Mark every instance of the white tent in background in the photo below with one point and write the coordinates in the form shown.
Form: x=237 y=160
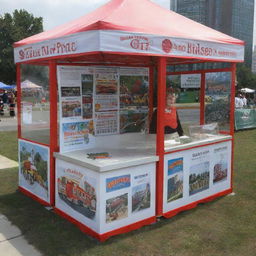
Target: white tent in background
x=247 y=90
x=27 y=85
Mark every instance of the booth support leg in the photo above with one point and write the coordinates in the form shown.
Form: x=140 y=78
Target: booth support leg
x=232 y=116
x=53 y=126
x=202 y=100
x=161 y=93
x=18 y=74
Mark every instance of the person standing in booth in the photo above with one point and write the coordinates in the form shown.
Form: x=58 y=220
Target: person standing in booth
x=172 y=122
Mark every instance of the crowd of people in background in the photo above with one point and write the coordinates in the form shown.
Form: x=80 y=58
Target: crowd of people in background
x=7 y=101
x=243 y=101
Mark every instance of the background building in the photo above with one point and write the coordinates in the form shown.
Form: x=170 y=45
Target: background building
x=232 y=17
x=254 y=60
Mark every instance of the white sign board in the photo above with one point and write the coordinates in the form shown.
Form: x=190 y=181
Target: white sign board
x=190 y=81
x=195 y=174
x=105 y=201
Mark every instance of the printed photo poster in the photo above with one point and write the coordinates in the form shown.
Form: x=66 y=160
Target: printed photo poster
x=76 y=135
x=34 y=169
x=117 y=206
x=87 y=83
x=175 y=179
x=134 y=87
x=76 y=191
x=87 y=94
x=217 y=97
x=199 y=172
x=220 y=168
x=71 y=108
x=141 y=193
x=106 y=103
x=87 y=106
x=106 y=81
x=106 y=123
x=133 y=120
x=76 y=107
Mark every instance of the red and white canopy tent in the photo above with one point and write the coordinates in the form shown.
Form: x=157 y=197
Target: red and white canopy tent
x=130 y=27
x=133 y=33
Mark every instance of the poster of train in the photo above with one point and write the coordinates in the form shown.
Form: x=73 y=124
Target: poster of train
x=217 y=97
x=195 y=174
x=34 y=169
x=76 y=192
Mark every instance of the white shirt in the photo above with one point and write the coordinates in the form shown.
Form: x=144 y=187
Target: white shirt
x=239 y=102
x=244 y=101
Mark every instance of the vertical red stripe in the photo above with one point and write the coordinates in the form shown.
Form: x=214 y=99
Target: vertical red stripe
x=151 y=93
x=161 y=93
x=18 y=80
x=202 y=99
x=232 y=117
x=53 y=126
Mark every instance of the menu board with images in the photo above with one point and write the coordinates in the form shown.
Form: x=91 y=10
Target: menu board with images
x=75 y=97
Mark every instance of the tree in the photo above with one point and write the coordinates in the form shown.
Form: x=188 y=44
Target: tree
x=13 y=28
x=245 y=77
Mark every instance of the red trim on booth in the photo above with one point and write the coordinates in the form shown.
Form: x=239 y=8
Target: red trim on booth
x=18 y=78
x=202 y=99
x=35 y=142
x=232 y=97
x=198 y=146
x=232 y=119
x=225 y=132
x=54 y=125
x=151 y=93
x=81 y=226
x=201 y=71
x=105 y=236
x=194 y=204
x=128 y=228
x=34 y=197
x=161 y=92
x=100 y=64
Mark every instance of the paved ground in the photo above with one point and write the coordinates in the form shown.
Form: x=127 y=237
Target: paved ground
x=8 y=123
x=7 y=163
x=12 y=242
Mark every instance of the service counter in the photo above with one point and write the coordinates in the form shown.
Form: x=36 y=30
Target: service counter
x=119 y=192
x=104 y=196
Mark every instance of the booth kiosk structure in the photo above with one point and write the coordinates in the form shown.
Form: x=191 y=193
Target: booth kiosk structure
x=86 y=150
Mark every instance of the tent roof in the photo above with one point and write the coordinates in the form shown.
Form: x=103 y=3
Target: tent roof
x=29 y=85
x=247 y=90
x=141 y=16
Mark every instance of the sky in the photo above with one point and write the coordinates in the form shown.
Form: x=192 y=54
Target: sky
x=58 y=12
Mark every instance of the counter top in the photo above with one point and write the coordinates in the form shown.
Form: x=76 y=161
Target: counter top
x=130 y=155
x=210 y=139
x=120 y=158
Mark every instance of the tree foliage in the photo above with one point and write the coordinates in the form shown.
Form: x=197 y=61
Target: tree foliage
x=13 y=28
x=245 y=77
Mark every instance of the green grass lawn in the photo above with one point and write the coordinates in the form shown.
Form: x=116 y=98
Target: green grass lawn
x=226 y=226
